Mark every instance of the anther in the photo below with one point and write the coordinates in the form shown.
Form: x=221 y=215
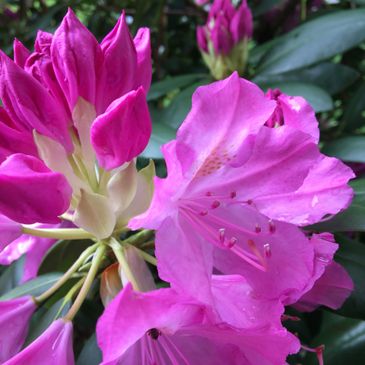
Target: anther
x=215 y=204
x=208 y=193
x=267 y=249
x=257 y=228
x=222 y=235
x=233 y=194
x=272 y=227
x=203 y=213
x=232 y=242
x=249 y=202
x=154 y=333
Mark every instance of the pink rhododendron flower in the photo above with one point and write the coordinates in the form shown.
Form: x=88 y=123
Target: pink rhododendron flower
x=69 y=106
x=54 y=345
x=232 y=205
x=165 y=327
x=14 y=321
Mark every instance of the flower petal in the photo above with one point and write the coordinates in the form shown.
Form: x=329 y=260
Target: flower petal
x=30 y=192
x=123 y=131
x=142 y=42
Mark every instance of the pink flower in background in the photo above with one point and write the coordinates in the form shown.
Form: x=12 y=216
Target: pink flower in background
x=223 y=39
x=167 y=328
x=15 y=315
x=233 y=205
x=55 y=345
x=226 y=26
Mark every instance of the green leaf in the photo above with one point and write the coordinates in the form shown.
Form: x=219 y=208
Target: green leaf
x=33 y=287
x=319 y=99
x=314 y=41
x=344 y=341
x=11 y=276
x=351 y=149
x=170 y=84
x=352 y=219
x=161 y=134
x=354 y=116
x=62 y=255
x=90 y=354
x=264 y=6
x=351 y=255
x=321 y=75
x=43 y=318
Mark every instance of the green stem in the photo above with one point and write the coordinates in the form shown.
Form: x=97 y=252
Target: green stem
x=139 y=237
x=67 y=275
x=98 y=257
x=303 y=10
x=59 y=233
x=120 y=255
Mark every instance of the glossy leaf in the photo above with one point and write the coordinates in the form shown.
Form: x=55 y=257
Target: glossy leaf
x=350 y=149
x=316 y=40
x=319 y=99
x=33 y=287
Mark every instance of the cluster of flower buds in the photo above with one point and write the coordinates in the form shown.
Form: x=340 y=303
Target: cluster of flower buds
x=223 y=40
x=245 y=175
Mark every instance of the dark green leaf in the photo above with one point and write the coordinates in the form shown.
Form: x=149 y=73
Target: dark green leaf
x=62 y=255
x=314 y=41
x=11 y=276
x=351 y=255
x=351 y=149
x=264 y=6
x=319 y=99
x=170 y=84
x=90 y=354
x=43 y=318
x=321 y=75
x=33 y=287
x=344 y=340
x=161 y=134
x=354 y=116
x=352 y=219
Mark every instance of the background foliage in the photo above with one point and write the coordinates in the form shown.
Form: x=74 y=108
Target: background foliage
x=304 y=50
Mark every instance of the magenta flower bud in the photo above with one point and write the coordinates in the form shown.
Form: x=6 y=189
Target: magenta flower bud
x=9 y=231
x=14 y=321
x=53 y=346
x=77 y=59
x=13 y=139
x=202 y=39
x=223 y=39
x=119 y=54
x=142 y=42
x=21 y=53
x=123 y=131
x=241 y=24
x=30 y=192
x=29 y=104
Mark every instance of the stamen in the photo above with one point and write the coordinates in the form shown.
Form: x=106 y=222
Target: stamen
x=208 y=193
x=272 y=227
x=267 y=250
x=233 y=194
x=257 y=228
x=231 y=242
x=249 y=202
x=318 y=351
x=287 y=317
x=203 y=213
x=215 y=204
x=243 y=255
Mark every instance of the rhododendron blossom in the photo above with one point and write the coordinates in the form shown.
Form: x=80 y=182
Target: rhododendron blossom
x=228 y=229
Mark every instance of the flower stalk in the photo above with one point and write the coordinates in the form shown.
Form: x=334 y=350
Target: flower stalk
x=68 y=274
x=58 y=233
x=97 y=259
